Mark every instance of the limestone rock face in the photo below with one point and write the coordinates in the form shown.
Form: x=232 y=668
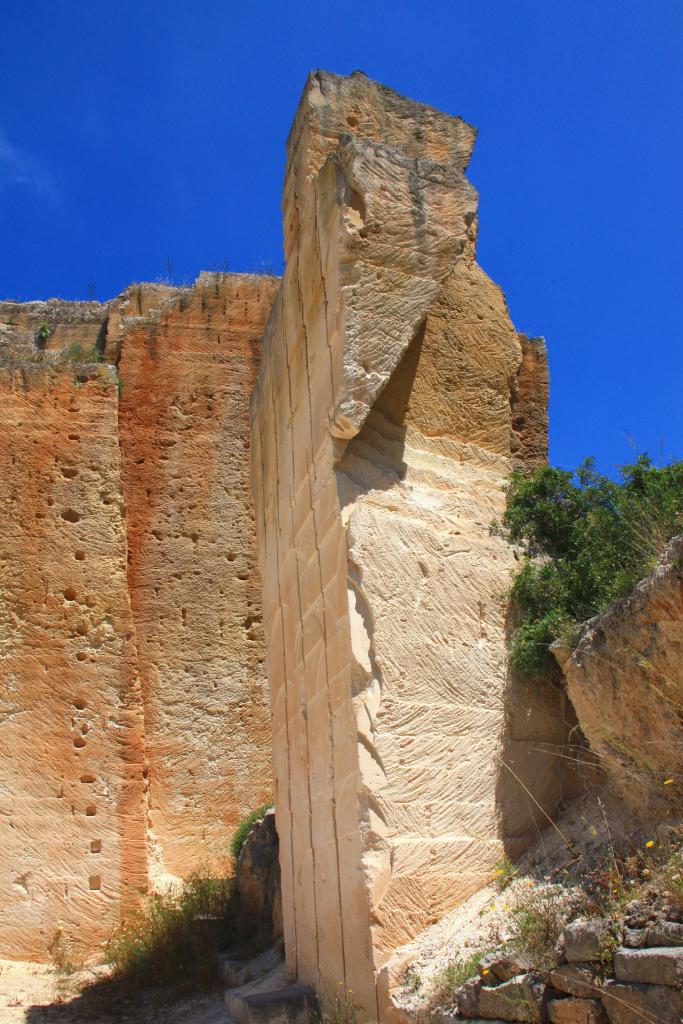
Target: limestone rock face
x=625 y=680
x=134 y=728
x=72 y=824
x=393 y=399
x=187 y=369
x=30 y=328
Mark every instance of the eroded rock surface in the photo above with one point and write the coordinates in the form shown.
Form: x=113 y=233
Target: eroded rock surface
x=187 y=370
x=72 y=824
x=394 y=398
x=134 y=728
x=625 y=680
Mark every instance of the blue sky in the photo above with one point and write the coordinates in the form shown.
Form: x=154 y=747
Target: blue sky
x=138 y=138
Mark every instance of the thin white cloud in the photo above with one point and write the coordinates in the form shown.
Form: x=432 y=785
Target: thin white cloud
x=19 y=168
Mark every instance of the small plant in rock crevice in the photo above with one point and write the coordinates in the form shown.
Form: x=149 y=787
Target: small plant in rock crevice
x=538 y=918
x=243 y=829
x=75 y=353
x=454 y=975
x=42 y=333
x=505 y=873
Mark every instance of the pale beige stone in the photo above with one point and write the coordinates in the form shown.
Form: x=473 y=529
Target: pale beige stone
x=393 y=399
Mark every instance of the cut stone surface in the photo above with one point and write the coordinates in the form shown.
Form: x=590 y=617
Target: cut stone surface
x=393 y=399
x=576 y=1011
x=584 y=940
x=519 y=999
x=503 y=966
x=650 y=966
x=580 y=980
x=134 y=728
x=642 y=1004
x=664 y=933
x=187 y=369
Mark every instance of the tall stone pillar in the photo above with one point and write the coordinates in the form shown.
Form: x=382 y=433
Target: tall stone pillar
x=393 y=399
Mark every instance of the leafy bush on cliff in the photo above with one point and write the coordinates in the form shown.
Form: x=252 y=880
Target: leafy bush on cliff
x=244 y=828
x=588 y=541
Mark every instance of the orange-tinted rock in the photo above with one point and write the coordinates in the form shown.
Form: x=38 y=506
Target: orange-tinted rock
x=129 y=601
x=72 y=824
x=186 y=371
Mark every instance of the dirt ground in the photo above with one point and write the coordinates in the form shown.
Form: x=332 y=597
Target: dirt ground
x=36 y=994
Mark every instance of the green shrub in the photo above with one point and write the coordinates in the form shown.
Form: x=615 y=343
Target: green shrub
x=538 y=918
x=593 y=539
x=456 y=973
x=75 y=353
x=42 y=333
x=176 y=936
x=243 y=829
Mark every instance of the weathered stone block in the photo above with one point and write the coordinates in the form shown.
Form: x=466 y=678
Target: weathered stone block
x=502 y=966
x=585 y=940
x=577 y=979
x=650 y=966
x=641 y=1004
x=576 y=1011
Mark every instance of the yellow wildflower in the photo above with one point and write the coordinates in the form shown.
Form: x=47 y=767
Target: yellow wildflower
x=668 y=782
x=650 y=843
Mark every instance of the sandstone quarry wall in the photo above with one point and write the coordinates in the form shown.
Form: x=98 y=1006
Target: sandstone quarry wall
x=134 y=725
x=187 y=370
x=72 y=843
x=393 y=399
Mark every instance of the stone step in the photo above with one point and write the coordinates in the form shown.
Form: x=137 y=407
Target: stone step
x=265 y=996
x=237 y=970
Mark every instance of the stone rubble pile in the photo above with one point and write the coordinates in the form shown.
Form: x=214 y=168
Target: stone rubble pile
x=628 y=971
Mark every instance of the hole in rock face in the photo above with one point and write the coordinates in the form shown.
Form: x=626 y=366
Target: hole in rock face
x=94 y=882
x=79 y=742
x=231 y=556
x=69 y=594
x=79 y=556
x=69 y=472
x=96 y=846
x=352 y=121
x=81 y=656
x=74 y=437
x=90 y=810
x=70 y=516
x=80 y=704
x=87 y=778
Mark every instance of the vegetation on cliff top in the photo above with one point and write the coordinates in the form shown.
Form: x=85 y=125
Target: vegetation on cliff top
x=588 y=541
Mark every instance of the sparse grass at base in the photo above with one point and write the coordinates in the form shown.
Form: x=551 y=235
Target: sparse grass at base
x=448 y=981
x=539 y=917
x=176 y=937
